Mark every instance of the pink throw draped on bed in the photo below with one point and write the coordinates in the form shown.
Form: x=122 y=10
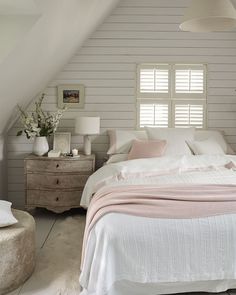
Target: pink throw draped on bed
x=155 y=201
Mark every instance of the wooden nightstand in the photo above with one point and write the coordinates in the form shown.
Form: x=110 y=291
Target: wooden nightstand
x=56 y=183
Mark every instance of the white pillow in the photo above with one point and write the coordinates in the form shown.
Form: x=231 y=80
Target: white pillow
x=176 y=139
x=6 y=216
x=206 y=147
x=217 y=135
x=121 y=140
x=117 y=158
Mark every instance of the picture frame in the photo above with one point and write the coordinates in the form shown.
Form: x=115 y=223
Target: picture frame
x=71 y=96
x=61 y=142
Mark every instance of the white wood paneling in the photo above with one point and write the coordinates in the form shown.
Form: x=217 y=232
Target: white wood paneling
x=136 y=32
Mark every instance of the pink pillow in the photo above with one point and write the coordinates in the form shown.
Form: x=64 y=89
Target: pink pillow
x=147 y=149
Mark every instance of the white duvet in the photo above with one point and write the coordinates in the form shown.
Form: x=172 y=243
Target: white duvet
x=136 y=255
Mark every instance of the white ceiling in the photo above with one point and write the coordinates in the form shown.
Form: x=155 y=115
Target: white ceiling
x=18 y=7
x=17 y=17
x=13 y=28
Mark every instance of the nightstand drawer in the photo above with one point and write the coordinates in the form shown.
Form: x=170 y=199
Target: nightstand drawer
x=51 y=182
x=54 y=198
x=59 y=166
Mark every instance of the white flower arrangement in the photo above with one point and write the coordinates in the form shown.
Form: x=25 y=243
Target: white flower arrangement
x=39 y=123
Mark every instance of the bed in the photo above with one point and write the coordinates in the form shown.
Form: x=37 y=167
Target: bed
x=136 y=254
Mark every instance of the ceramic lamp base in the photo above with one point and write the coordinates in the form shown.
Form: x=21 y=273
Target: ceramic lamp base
x=87 y=145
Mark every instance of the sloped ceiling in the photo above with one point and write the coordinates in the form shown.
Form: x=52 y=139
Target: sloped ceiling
x=10 y=7
x=16 y=19
x=13 y=28
x=49 y=34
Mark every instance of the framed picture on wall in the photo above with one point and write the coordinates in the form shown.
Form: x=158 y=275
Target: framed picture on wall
x=71 y=96
x=61 y=142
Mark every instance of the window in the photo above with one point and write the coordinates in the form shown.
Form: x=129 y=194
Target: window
x=171 y=95
x=154 y=81
x=154 y=114
x=188 y=114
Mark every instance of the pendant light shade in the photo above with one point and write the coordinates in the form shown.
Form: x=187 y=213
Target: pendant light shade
x=209 y=16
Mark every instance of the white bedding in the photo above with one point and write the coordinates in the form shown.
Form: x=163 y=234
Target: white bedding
x=121 y=173
x=160 y=255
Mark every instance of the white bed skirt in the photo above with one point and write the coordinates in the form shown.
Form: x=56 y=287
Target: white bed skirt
x=130 y=288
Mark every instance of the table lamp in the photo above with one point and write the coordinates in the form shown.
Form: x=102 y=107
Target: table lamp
x=87 y=126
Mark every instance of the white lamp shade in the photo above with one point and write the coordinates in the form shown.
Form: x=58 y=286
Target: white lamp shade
x=209 y=16
x=87 y=125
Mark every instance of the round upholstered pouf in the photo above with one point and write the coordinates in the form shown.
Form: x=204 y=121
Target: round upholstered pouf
x=17 y=252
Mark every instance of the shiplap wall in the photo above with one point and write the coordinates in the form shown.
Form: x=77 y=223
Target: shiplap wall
x=137 y=32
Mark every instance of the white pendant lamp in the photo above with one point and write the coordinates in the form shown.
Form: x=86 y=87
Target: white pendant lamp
x=209 y=16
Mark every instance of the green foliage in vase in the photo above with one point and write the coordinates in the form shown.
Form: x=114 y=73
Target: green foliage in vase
x=39 y=122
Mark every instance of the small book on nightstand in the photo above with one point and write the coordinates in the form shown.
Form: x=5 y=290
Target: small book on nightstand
x=54 y=154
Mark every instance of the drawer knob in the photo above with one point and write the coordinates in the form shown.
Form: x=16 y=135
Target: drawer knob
x=57 y=165
x=57 y=181
x=57 y=199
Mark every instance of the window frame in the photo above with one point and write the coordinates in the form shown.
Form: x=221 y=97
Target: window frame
x=172 y=98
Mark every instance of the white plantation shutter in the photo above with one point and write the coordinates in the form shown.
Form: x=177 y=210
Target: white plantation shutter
x=190 y=81
x=186 y=114
x=171 y=95
x=154 y=81
x=154 y=114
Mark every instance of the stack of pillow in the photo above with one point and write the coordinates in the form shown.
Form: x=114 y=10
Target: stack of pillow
x=156 y=142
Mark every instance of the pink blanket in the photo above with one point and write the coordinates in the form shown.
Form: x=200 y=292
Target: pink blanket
x=155 y=201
